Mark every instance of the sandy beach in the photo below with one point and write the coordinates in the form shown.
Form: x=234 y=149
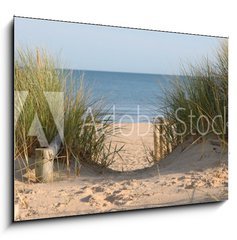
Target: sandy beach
x=190 y=174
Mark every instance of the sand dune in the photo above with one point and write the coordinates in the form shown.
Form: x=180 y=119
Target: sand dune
x=193 y=174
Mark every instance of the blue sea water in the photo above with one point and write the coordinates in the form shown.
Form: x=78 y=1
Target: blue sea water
x=131 y=97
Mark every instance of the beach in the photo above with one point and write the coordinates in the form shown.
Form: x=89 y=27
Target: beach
x=192 y=173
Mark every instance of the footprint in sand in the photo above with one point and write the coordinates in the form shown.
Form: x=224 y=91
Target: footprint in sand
x=118 y=197
x=78 y=192
x=87 y=198
x=117 y=200
x=98 y=189
x=117 y=192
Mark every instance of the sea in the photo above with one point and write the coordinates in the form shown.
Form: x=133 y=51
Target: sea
x=128 y=97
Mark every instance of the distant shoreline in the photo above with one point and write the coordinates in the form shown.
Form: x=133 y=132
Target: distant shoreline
x=120 y=72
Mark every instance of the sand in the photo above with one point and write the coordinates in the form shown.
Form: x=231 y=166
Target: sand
x=190 y=174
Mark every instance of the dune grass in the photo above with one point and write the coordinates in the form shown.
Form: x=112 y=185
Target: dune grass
x=197 y=104
x=86 y=136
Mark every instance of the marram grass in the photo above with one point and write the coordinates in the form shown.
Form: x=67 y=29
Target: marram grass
x=85 y=137
x=197 y=104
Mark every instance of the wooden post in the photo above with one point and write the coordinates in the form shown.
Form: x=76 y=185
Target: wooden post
x=44 y=161
x=44 y=165
x=162 y=143
x=158 y=141
x=155 y=142
x=161 y=146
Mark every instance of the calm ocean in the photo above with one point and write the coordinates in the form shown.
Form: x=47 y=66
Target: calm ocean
x=130 y=95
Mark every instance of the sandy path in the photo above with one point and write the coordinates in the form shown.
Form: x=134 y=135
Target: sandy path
x=81 y=196
x=197 y=174
x=135 y=137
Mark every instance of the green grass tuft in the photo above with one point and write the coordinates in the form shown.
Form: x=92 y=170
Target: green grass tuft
x=85 y=138
x=202 y=92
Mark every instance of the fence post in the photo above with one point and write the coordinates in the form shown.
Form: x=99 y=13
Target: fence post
x=161 y=146
x=44 y=160
x=155 y=142
x=44 y=164
x=158 y=141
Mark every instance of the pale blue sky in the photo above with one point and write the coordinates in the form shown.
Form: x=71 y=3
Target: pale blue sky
x=91 y=47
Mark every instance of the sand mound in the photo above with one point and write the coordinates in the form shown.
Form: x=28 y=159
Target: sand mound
x=195 y=157
x=192 y=173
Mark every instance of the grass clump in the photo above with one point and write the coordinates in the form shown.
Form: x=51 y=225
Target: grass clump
x=86 y=136
x=197 y=103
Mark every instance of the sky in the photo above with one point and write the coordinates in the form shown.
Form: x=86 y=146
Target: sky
x=93 y=47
